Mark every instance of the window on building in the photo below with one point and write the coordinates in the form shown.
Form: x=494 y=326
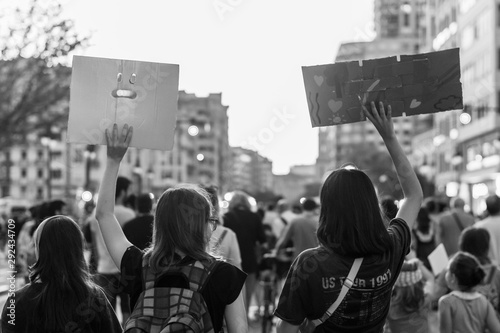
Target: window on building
x=23 y=155
x=406 y=20
x=40 y=154
x=23 y=173
x=40 y=173
x=5 y=191
x=56 y=174
x=23 y=190
x=39 y=193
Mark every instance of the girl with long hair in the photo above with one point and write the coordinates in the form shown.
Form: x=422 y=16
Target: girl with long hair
x=182 y=229
x=465 y=309
x=61 y=296
x=352 y=226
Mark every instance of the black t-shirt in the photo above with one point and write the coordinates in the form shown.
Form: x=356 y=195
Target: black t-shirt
x=249 y=230
x=139 y=231
x=316 y=277
x=98 y=315
x=222 y=288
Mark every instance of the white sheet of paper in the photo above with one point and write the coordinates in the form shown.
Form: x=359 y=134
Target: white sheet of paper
x=438 y=259
x=141 y=94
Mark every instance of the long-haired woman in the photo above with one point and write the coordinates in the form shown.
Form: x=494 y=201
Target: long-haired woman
x=61 y=296
x=352 y=226
x=181 y=233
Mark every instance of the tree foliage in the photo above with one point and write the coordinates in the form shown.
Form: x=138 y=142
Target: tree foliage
x=377 y=164
x=34 y=77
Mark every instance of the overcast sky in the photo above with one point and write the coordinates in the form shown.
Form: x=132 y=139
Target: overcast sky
x=250 y=50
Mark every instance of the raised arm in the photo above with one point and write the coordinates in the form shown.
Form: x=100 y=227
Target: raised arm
x=410 y=185
x=113 y=235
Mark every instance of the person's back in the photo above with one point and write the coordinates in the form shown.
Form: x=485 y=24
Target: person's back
x=352 y=227
x=451 y=224
x=410 y=303
x=302 y=230
x=139 y=230
x=61 y=294
x=492 y=225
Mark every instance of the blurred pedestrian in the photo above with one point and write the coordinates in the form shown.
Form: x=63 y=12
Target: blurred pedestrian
x=423 y=237
x=451 y=225
x=492 y=225
x=139 y=230
x=249 y=230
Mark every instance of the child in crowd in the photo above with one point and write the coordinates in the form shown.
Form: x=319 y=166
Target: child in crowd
x=476 y=242
x=464 y=309
x=411 y=299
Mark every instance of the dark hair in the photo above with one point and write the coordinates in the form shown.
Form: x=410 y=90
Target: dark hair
x=423 y=220
x=66 y=281
x=411 y=298
x=389 y=207
x=475 y=241
x=350 y=221
x=180 y=223
x=309 y=205
x=431 y=205
x=144 y=203
x=55 y=206
x=122 y=185
x=212 y=193
x=467 y=270
x=130 y=201
x=493 y=204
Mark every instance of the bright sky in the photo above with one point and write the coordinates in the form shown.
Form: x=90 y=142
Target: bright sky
x=250 y=50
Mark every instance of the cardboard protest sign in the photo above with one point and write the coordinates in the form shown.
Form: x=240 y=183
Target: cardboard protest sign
x=141 y=94
x=438 y=259
x=416 y=84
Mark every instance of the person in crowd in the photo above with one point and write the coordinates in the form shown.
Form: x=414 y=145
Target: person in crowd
x=411 y=299
x=352 y=226
x=25 y=245
x=423 y=237
x=476 y=242
x=464 y=309
x=182 y=228
x=452 y=223
x=301 y=230
x=249 y=230
x=285 y=215
x=139 y=230
x=108 y=273
x=61 y=296
x=389 y=207
x=492 y=225
x=223 y=242
x=86 y=225
x=271 y=217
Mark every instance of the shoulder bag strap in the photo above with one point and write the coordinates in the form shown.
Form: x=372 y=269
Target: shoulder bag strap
x=221 y=238
x=458 y=222
x=345 y=288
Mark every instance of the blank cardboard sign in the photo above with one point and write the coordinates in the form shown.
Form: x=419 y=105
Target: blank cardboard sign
x=141 y=94
x=416 y=84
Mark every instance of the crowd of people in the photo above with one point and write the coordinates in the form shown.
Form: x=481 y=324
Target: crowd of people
x=348 y=261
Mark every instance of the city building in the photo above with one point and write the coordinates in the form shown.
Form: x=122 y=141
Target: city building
x=293 y=185
x=49 y=168
x=250 y=172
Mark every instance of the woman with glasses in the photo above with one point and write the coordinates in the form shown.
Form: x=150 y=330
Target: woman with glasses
x=183 y=224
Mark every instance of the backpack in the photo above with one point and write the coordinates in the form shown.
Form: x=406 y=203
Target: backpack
x=177 y=307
